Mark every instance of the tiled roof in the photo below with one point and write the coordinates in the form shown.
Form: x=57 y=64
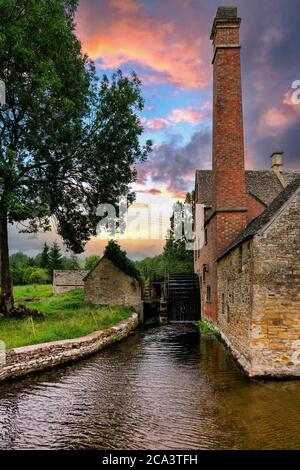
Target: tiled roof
x=263 y=185
x=262 y=220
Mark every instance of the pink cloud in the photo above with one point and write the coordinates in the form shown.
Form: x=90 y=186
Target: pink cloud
x=156 y=124
x=118 y=32
x=176 y=116
x=278 y=118
x=274 y=118
x=186 y=115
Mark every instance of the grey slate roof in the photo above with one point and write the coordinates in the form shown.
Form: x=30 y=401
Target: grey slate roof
x=289 y=176
x=257 y=224
x=263 y=185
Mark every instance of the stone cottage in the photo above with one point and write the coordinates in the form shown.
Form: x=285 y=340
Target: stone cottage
x=248 y=259
x=64 y=280
x=107 y=284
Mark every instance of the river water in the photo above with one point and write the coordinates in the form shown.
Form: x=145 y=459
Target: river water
x=161 y=388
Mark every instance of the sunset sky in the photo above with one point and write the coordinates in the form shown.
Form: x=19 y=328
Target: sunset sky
x=167 y=43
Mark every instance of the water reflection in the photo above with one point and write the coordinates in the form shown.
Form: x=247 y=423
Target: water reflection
x=159 y=389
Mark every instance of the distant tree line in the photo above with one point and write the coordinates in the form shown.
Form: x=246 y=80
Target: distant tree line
x=39 y=269
x=174 y=259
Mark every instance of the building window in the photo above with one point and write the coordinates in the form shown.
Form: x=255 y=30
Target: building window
x=208 y=295
x=205 y=236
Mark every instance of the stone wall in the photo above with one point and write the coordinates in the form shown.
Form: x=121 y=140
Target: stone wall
x=235 y=301
x=259 y=297
x=30 y=359
x=108 y=285
x=275 y=337
x=64 y=281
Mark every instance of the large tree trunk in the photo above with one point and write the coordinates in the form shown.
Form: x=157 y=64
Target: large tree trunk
x=6 y=296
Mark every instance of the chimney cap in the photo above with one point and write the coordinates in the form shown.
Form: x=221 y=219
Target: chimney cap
x=277 y=153
x=226 y=12
x=225 y=15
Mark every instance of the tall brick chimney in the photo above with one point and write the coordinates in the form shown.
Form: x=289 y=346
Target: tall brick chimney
x=229 y=191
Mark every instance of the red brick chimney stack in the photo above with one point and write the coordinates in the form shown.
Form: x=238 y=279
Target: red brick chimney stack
x=229 y=192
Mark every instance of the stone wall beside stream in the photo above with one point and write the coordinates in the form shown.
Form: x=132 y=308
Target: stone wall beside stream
x=20 y=362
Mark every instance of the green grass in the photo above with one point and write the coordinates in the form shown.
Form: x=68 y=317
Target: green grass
x=66 y=316
x=32 y=291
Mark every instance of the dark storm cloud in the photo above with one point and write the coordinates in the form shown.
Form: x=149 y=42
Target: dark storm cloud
x=173 y=163
x=270 y=37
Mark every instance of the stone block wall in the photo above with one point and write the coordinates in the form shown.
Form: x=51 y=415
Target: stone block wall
x=26 y=360
x=235 y=301
x=275 y=335
x=259 y=297
x=64 y=281
x=108 y=285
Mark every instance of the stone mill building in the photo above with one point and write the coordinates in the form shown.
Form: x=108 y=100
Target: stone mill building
x=107 y=284
x=248 y=230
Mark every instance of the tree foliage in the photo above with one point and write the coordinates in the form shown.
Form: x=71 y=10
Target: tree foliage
x=175 y=257
x=55 y=258
x=66 y=143
x=44 y=259
x=91 y=261
x=35 y=275
x=176 y=249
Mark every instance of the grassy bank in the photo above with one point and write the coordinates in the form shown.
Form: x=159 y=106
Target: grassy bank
x=32 y=291
x=66 y=316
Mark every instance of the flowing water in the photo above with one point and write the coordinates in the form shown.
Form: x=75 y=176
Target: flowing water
x=161 y=388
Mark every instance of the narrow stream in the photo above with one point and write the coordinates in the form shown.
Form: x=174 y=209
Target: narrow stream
x=159 y=389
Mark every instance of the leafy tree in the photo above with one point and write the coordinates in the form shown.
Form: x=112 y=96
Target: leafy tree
x=35 y=275
x=91 y=261
x=175 y=249
x=18 y=261
x=70 y=263
x=175 y=257
x=19 y=258
x=66 y=144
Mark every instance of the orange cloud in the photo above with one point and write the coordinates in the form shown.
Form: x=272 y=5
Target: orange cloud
x=126 y=32
x=136 y=249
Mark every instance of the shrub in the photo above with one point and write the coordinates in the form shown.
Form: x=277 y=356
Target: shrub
x=35 y=275
x=206 y=328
